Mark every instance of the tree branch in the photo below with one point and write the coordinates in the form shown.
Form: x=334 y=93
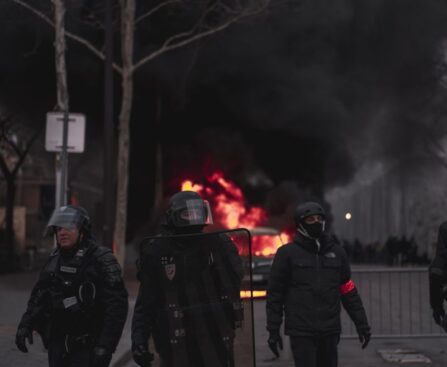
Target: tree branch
x=166 y=47
x=73 y=36
x=25 y=153
x=4 y=168
x=13 y=146
x=154 y=10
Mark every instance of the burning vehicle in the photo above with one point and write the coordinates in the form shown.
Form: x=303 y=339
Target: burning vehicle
x=230 y=211
x=265 y=241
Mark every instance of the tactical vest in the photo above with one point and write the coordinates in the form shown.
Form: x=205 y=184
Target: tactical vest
x=72 y=292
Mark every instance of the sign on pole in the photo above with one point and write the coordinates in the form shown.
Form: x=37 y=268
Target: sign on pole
x=54 y=132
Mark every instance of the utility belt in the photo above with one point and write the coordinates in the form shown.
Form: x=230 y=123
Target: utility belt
x=74 y=343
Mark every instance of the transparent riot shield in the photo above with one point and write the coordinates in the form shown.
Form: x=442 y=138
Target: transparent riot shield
x=194 y=302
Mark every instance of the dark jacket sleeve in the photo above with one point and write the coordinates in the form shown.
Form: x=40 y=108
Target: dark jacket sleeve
x=350 y=297
x=141 y=328
x=148 y=300
x=114 y=298
x=279 y=280
x=438 y=270
x=37 y=305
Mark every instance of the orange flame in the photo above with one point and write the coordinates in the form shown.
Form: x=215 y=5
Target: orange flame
x=228 y=202
x=230 y=211
x=190 y=186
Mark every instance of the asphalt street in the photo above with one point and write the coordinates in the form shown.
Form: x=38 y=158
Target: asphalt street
x=15 y=289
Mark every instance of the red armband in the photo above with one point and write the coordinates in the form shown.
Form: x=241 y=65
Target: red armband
x=347 y=287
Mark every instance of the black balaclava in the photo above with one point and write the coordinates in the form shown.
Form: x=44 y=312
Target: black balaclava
x=313 y=230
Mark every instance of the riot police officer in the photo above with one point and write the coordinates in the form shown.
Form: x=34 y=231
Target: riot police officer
x=188 y=298
x=308 y=279
x=438 y=278
x=79 y=303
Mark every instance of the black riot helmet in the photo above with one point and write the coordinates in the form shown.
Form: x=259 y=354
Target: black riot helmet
x=312 y=230
x=70 y=217
x=187 y=211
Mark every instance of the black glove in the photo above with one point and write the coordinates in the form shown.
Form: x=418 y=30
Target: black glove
x=364 y=336
x=23 y=333
x=101 y=357
x=274 y=342
x=142 y=356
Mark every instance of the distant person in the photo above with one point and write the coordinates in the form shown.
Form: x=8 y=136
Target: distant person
x=309 y=279
x=438 y=278
x=79 y=303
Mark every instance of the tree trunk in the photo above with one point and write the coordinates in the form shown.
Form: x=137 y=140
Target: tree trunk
x=59 y=48
x=158 y=184
x=127 y=33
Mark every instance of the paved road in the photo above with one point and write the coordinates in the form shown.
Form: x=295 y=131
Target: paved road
x=15 y=288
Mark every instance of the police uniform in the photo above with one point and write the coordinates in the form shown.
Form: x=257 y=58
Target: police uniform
x=78 y=303
x=188 y=298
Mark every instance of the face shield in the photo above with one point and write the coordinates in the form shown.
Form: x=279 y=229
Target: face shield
x=66 y=217
x=195 y=212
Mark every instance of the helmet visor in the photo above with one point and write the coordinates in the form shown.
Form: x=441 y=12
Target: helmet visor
x=195 y=212
x=66 y=217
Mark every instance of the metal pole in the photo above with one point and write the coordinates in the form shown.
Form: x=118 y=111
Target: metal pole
x=108 y=130
x=57 y=202
x=64 y=160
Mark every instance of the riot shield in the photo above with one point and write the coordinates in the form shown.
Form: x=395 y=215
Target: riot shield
x=198 y=317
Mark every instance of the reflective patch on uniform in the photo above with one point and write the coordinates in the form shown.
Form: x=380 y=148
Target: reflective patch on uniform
x=70 y=301
x=170 y=271
x=179 y=333
x=330 y=255
x=80 y=252
x=68 y=269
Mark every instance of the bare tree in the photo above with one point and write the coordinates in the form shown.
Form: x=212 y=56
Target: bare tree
x=211 y=18
x=15 y=144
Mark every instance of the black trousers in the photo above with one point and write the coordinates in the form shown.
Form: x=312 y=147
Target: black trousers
x=78 y=357
x=315 y=351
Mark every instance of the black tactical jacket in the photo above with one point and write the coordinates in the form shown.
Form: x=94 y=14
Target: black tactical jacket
x=307 y=283
x=188 y=299
x=438 y=270
x=79 y=293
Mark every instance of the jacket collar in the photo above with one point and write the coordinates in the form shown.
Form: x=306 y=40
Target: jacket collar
x=323 y=245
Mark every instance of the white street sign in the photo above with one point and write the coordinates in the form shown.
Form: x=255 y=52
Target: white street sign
x=76 y=132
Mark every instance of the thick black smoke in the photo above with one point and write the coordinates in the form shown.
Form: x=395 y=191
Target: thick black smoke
x=317 y=87
x=305 y=92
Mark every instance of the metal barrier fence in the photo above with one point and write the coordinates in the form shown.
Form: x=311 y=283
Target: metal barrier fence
x=396 y=302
